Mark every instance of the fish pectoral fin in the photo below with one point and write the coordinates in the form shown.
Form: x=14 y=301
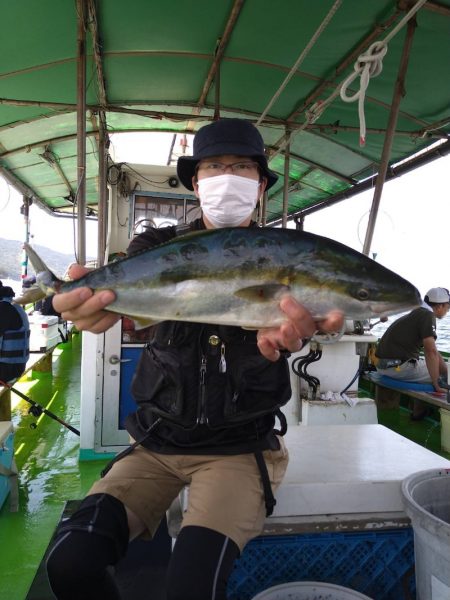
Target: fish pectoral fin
x=142 y=322
x=263 y=292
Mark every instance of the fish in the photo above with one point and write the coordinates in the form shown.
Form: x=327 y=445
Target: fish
x=237 y=276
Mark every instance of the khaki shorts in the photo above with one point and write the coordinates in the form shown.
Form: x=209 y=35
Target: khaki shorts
x=225 y=492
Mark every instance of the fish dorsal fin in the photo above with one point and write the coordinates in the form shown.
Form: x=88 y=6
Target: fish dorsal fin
x=262 y=293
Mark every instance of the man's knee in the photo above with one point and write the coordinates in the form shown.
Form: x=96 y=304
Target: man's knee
x=93 y=538
x=103 y=515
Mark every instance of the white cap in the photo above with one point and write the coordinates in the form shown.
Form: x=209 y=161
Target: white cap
x=437 y=295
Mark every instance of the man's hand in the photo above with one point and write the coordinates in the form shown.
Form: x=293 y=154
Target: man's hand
x=439 y=390
x=435 y=363
x=299 y=325
x=84 y=307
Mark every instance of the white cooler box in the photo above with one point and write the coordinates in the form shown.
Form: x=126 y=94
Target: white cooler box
x=44 y=332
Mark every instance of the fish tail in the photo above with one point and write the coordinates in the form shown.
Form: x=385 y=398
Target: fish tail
x=48 y=282
x=30 y=296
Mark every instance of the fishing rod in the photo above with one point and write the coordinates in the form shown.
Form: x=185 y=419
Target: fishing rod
x=36 y=409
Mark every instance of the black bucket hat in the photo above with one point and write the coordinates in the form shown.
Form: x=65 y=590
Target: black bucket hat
x=6 y=291
x=225 y=136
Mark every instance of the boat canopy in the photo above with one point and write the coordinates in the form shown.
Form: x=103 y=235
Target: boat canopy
x=174 y=66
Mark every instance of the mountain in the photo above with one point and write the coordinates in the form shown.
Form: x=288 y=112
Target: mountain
x=11 y=257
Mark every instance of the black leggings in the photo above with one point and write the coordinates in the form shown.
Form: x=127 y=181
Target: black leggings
x=200 y=565
x=95 y=538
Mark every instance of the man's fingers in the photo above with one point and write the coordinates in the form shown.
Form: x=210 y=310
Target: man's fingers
x=76 y=271
x=299 y=325
x=299 y=317
x=267 y=349
x=302 y=321
x=99 y=323
x=70 y=300
x=333 y=322
x=84 y=307
x=83 y=301
x=272 y=340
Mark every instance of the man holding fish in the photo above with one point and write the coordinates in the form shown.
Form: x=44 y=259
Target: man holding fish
x=208 y=393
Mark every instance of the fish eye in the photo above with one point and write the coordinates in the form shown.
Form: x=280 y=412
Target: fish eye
x=362 y=294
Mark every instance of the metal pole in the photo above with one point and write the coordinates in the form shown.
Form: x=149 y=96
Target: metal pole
x=287 y=161
x=263 y=209
x=81 y=131
x=103 y=192
x=399 y=92
x=217 y=94
x=169 y=158
x=61 y=173
x=25 y=210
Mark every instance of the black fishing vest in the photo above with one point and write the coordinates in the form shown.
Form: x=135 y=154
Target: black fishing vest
x=191 y=373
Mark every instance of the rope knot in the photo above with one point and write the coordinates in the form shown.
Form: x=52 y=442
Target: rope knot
x=314 y=112
x=369 y=64
x=372 y=59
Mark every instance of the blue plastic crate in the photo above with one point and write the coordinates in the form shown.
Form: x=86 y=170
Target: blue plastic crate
x=379 y=564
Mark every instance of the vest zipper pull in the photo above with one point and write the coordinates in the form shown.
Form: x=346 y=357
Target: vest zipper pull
x=202 y=417
x=222 y=362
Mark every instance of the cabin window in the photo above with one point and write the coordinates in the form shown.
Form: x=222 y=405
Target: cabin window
x=159 y=211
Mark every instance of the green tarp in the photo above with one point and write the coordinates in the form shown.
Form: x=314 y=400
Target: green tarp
x=156 y=56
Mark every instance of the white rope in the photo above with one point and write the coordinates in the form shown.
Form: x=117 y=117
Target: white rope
x=405 y=19
x=370 y=64
x=301 y=58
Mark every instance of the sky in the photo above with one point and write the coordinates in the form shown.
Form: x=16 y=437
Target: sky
x=58 y=233
x=411 y=234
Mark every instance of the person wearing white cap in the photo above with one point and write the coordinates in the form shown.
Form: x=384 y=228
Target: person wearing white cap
x=399 y=348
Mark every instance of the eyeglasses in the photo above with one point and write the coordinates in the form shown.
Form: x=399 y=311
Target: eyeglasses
x=243 y=169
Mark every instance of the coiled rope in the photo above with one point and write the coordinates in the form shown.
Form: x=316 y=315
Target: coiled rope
x=368 y=64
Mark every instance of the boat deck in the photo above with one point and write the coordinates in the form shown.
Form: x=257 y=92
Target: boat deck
x=50 y=474
x=46 y=455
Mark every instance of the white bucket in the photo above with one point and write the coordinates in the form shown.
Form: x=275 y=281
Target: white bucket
x=426 y=497
x=309 y=590
x=445 y=429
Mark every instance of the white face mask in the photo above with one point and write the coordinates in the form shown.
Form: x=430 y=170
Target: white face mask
x=227 y=200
